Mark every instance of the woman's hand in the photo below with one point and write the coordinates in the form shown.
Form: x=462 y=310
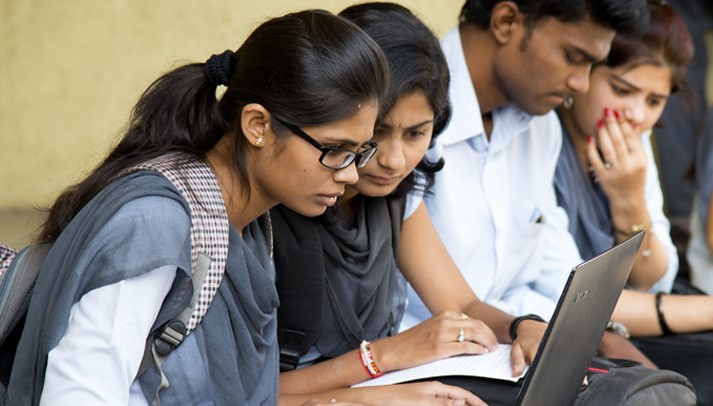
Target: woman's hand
x=430 y=393
x=435 y=393
x=436 y=338
x=333 y=402
x=621 y=167
x=524 y=349
x=423 y=394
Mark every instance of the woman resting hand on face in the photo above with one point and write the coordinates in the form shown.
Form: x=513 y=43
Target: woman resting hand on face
x=360 y=251
x=607 y=180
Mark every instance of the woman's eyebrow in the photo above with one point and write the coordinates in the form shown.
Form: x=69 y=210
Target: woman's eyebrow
x=421 y=124
x=625 y=82
x=636 y=88
x=388 y=126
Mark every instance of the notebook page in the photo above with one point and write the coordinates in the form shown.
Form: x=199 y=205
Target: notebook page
x=494 y=365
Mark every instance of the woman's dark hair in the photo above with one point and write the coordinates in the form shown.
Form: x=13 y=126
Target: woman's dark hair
x=627 y=16
x=667 y=42
x=416 y=63
x=307 y=68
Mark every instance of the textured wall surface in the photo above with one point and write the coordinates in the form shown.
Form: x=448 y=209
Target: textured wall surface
x=71 y=71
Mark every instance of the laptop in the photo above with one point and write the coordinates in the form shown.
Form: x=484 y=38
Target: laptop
x=568 y=345
x=577 y=325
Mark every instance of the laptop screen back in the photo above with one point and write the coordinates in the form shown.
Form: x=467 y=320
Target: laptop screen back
x=577 y=325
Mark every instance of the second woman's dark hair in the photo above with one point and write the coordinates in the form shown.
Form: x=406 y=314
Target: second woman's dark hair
x=307 y=68
x=416 y=62
x=667 y=42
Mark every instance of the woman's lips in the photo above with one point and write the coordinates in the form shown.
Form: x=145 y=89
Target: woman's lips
x=380 y=180
x=328 y=200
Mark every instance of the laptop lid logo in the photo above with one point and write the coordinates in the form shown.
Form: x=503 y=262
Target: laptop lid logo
x=581 y=295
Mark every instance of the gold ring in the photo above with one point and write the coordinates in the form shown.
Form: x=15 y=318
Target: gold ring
x=463 y=316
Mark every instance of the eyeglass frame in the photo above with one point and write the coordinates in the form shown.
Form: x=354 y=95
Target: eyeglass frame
x=356 y=157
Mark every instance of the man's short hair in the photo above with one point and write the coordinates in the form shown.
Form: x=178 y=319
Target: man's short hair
x=625 y=16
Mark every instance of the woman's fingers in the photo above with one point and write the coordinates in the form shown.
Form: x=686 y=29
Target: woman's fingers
x=479 y=333
x=619 y=133
x=453 y=395
x=605 y=143
x=333 y=402
x=596 y=162
x=472 y=336
x=517 y=359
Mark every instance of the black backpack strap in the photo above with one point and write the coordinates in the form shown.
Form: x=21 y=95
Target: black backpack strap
x=397 y=208
x=300 y=281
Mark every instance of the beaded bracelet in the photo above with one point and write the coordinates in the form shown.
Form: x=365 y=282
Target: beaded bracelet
x=367 y=360
x=517 y=320
x=659 y=312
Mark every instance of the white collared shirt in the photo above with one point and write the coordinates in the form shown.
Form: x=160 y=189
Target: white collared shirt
x=494 y=204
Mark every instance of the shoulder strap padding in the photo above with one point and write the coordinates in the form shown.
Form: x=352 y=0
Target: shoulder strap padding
x=16 y=285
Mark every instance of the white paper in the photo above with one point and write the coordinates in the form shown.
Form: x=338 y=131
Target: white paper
x=494 y=365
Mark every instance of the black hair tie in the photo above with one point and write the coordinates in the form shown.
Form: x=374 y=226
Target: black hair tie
x=218 y=68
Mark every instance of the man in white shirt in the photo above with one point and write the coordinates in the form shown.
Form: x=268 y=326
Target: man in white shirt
x=493 y=204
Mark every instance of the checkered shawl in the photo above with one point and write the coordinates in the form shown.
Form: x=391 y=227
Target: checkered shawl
x=209 y=220
x=7 y=254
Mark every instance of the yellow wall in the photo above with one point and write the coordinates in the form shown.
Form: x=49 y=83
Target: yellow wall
x=70 y=71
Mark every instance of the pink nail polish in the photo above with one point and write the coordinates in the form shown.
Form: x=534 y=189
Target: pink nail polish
x=600 y=124
x=589 y=139
x=607 y=112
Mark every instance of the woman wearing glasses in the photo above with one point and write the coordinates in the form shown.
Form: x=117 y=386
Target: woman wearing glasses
x=340 y=278
x=121 y=260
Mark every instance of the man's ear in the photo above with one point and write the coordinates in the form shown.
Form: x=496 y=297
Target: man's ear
x=254 y=121
x=504 y=20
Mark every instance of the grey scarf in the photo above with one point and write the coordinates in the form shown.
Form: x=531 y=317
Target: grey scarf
x=241 y=369
x=584 y=201
x=362 y=291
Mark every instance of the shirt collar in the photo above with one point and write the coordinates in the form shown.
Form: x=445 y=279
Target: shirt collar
x=466 y=121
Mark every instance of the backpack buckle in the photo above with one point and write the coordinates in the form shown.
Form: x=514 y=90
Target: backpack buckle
x=288 y=359
x=170 y=336
x=290 y=346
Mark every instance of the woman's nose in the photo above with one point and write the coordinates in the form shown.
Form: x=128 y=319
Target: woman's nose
x=391 y=154
x=348 y=175
x=635 y=114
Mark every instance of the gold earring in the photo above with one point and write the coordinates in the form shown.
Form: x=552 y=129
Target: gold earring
x=258 y=141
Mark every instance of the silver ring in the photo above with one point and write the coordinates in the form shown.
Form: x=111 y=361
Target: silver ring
x=461 y=335
x=608 y=165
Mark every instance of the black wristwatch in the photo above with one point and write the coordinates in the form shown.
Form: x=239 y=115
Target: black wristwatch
x=517 y=320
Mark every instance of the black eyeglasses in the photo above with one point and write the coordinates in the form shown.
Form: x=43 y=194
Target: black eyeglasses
x=335 y=157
